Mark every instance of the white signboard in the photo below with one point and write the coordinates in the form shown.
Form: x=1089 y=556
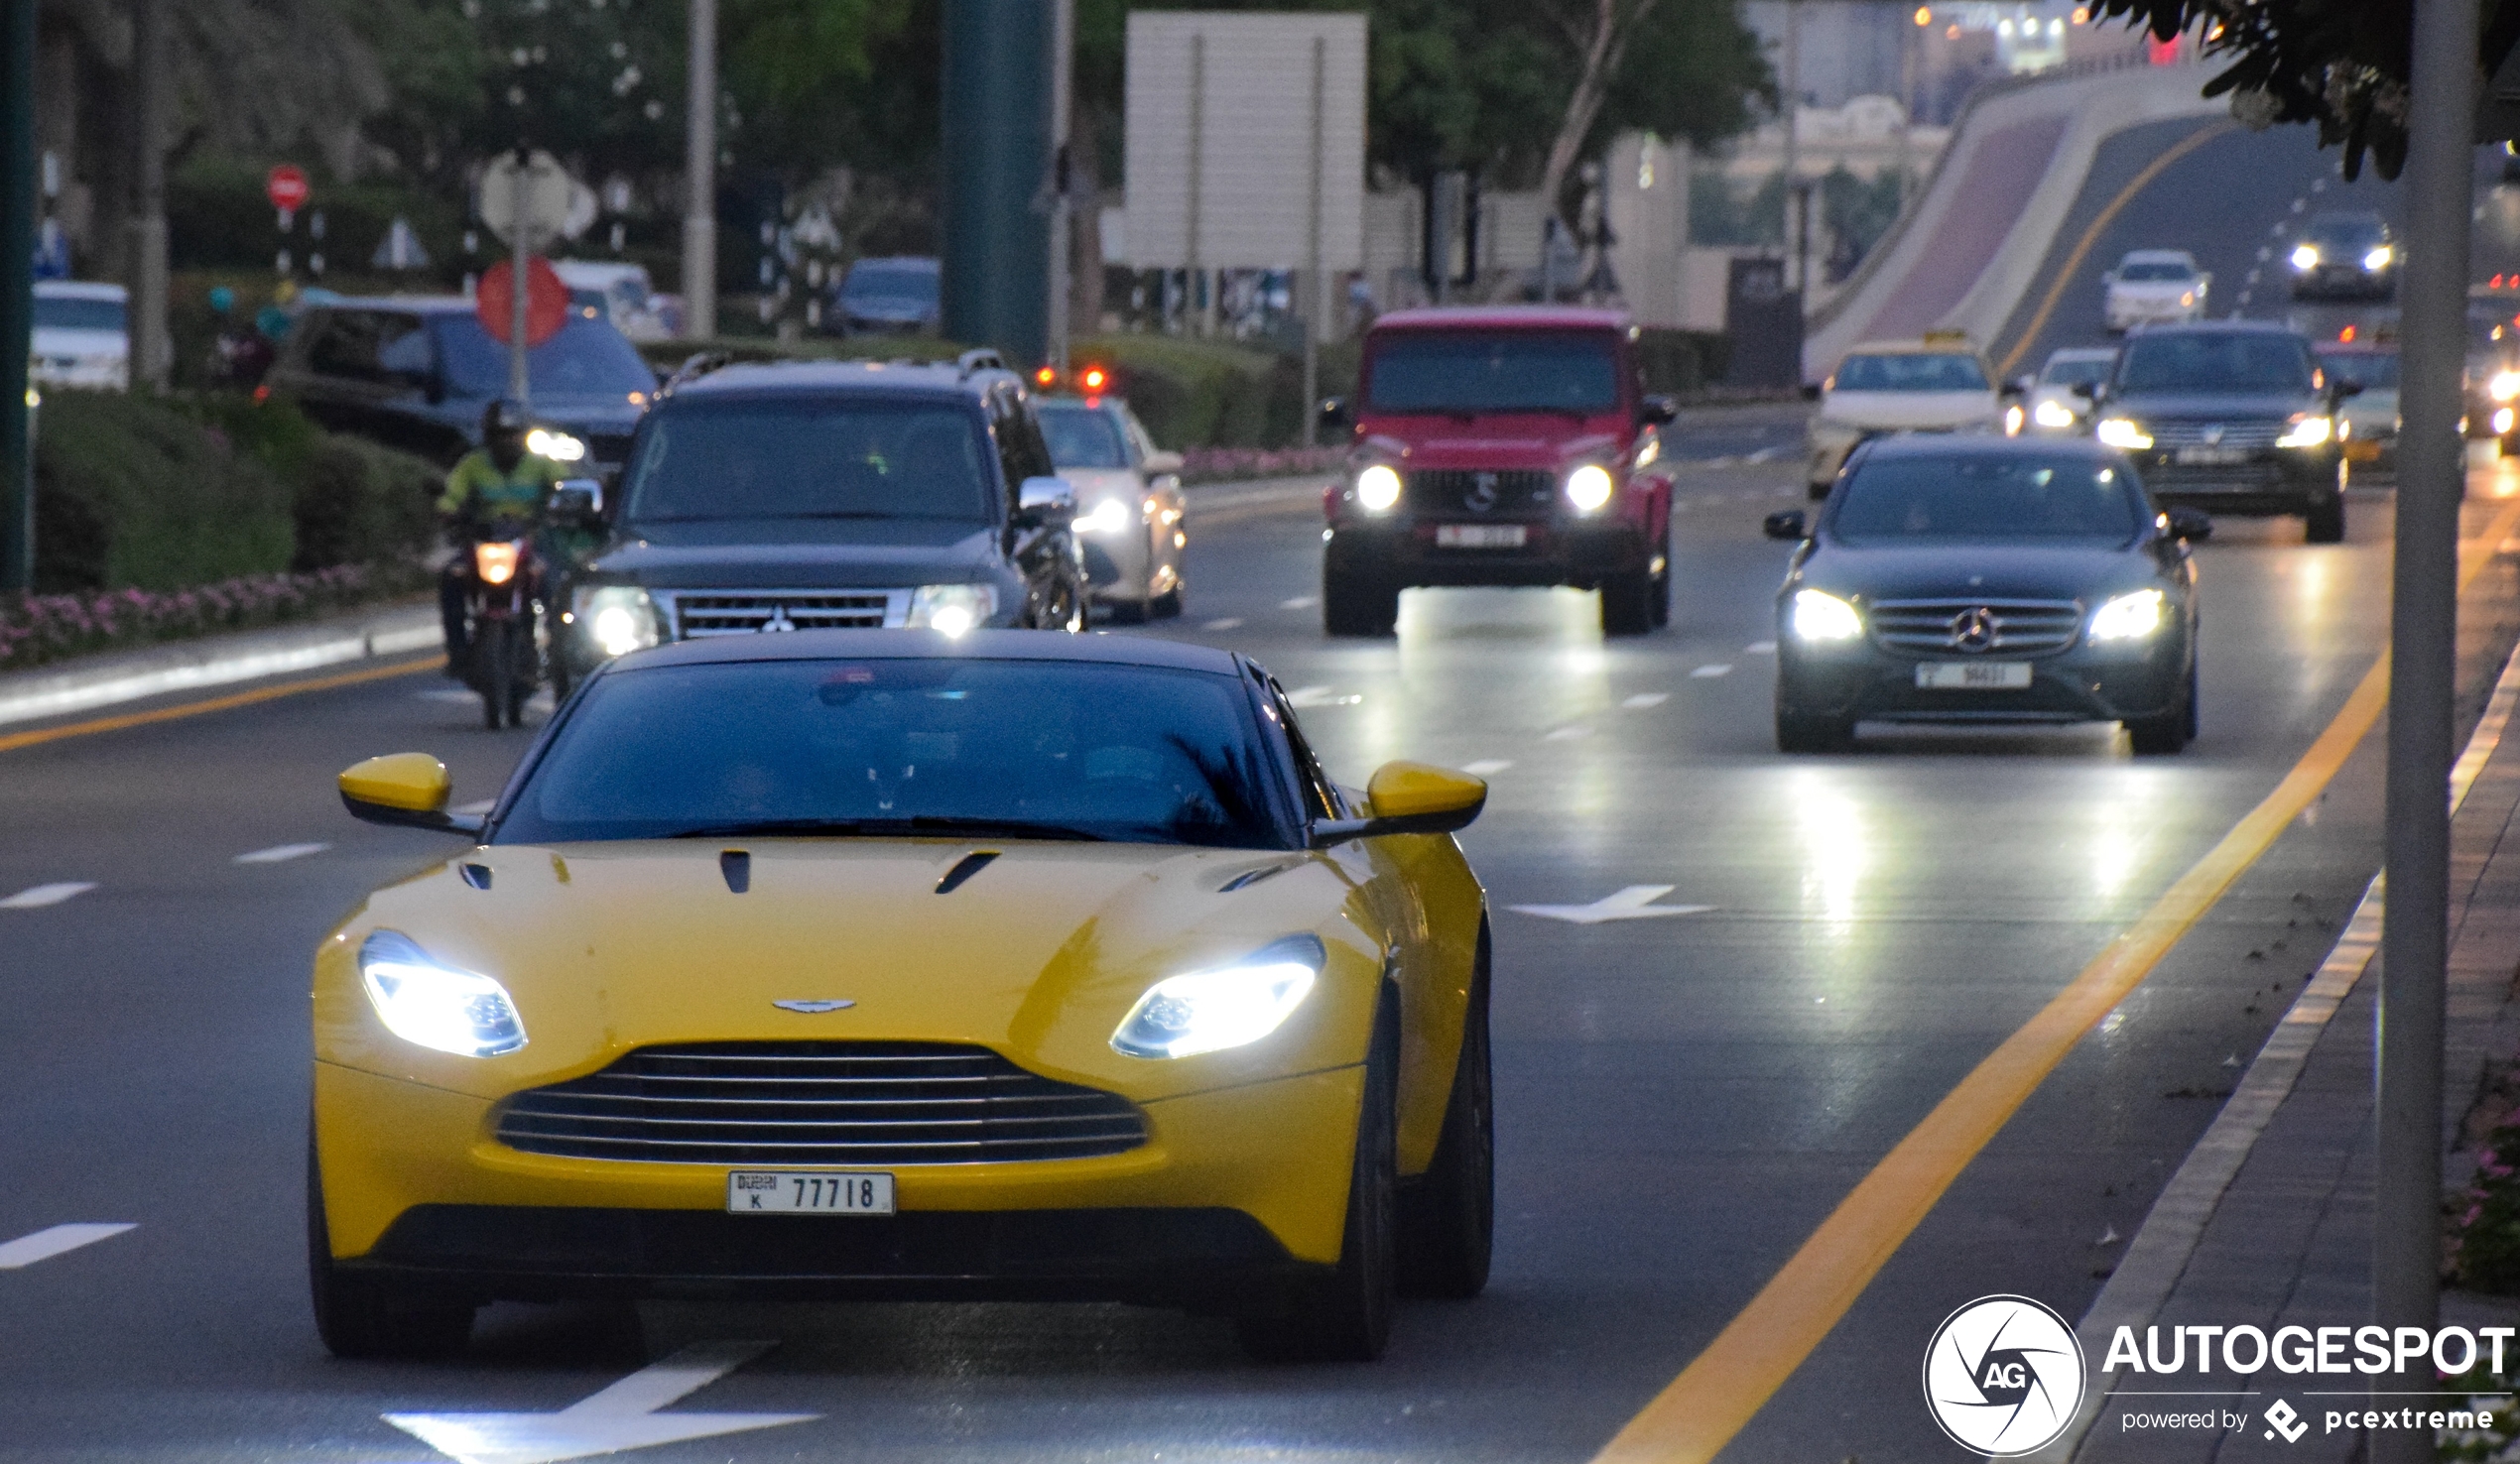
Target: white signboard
x=553 y=202
x=1246 y=140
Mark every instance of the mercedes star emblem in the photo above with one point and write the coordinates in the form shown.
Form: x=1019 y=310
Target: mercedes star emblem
x=1482 y=494
x=813 y=1007
x=1975 y=629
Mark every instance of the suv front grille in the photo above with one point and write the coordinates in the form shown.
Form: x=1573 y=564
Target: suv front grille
x=819 y=1103
x=695 y=613
x=1520 y=492
x=2249 y=434
x=1975 y=627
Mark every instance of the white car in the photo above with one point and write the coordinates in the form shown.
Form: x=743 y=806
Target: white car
x=1934 y=385
x=2055 y=406
x=629 y=297
x=2152 y=287
x=1129 y=505
x=82 y=336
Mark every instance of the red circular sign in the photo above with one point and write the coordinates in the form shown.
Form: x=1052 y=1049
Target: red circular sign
x=287 y=187
x=545 y=302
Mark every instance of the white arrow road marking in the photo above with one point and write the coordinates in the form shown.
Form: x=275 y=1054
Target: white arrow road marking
x=281 y=853
x=1635 y=902
x=44 y=895
x=622 y=1417
x=44 y=1245
x=1488 y=767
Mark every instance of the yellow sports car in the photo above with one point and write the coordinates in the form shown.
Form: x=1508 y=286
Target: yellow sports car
x=883 y=964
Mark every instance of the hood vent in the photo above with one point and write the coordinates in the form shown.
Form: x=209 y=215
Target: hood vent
x=963 y=869
x=736 y=866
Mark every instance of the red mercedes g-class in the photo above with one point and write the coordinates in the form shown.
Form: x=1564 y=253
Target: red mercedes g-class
x=1499 y=446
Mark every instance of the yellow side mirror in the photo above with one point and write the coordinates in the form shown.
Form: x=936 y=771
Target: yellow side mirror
x=405 y=790
x=1408 y=799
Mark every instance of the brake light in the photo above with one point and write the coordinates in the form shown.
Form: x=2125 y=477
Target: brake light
x=1095 y=379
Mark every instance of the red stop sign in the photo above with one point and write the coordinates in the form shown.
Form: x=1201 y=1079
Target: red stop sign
x=545 y=302
x=287 y=187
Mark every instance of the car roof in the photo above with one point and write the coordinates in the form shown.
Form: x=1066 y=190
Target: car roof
x=2222 y=327
x=1502 y=318
x=1955 y=345
x=809 y=377
x=2159 y=256
x=80 y=290
x=1987 y=444
x=2081 y=353
x=896 y=644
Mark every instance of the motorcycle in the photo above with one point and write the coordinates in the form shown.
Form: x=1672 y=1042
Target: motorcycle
x=503 y=583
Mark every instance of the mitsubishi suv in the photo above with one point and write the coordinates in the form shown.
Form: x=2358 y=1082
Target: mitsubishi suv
x=1499 y=446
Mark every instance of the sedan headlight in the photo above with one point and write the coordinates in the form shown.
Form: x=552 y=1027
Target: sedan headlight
x=2122 y=434
x=2379 y=257
x=2504 y=386
x=436 y=1007
x=2307 y=431
x=2052 y=413
x=1112 y=516
x=1378 y=488
x=1590 y=487
x=556 y=445
x=2128 y=617
x=1231 y=1007
x=952 y=608
x=1824 y=617
x=619 y=618
x=2305 y=257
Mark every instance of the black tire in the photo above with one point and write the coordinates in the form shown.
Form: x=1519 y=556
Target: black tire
x=1345 y=1315
x=1802 y=732
x=1627 y=605
x=495 y=659
x=1166 y=606
x=2325 y=522
x=1352 y=605
x=1661 y=596
x=1448 y=1216
x=1127 y=612
x=2172 y=730
x=364 y=1316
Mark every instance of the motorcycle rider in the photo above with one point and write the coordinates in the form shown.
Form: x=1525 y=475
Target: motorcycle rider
x=498 y=484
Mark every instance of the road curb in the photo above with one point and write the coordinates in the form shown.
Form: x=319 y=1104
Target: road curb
x=214 y=661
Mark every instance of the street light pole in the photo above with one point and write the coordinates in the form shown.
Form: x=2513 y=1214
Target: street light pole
x=700 y=169
x=2423 y=670
x=150 y=352
x=17 y=291
x=1062 y=72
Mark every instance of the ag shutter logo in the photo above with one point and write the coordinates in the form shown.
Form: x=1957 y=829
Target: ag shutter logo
x=2003 y=1375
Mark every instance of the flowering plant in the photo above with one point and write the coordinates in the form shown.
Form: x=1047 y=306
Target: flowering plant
x=38 y=628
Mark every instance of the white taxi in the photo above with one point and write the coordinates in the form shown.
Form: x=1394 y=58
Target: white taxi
x=1938 y=384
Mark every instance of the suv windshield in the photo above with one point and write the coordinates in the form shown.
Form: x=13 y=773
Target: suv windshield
x=77 y=312
x=890 y=281
x=589 y=358
x=909 y=747
x=1460 y=372
x=2346 y=229
x=2153 y=271
x=1082 y=437
x=1978 y=497
x=1910 y=371
x=811 y=457
x=2076 y=372
x=2231 y=361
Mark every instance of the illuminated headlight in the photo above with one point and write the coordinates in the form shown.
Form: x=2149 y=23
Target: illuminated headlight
x=1211 y=1011
x=558 y=447
x=2052 y=413
x=2504 y=386
x=1588 y=487
x=1378 y=488
x=2378 y=257
x=2012 y=421
x=1110 y=516
x=955 y=609
x=1824 y=617
x=2307 y=431
x=436 y=1007
x=2122 y=434
x=2129 y=617
x=2502 y=421
x=2305 y=257
x=619 y=618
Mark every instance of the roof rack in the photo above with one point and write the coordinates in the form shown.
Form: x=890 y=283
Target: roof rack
x=980 y=359
x=694 y=367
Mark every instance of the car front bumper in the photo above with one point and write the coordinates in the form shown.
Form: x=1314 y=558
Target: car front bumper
x=2270 y=481
x=1862 y=682
x=1577 y=552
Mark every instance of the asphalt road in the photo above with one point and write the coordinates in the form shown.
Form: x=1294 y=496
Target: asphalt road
x=1679 y=1100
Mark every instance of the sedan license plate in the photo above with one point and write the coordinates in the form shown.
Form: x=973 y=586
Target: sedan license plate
x=1973 y=676
x=2208 y=456
x=2362 y=451
x=1478 y=535
x=812 y=1192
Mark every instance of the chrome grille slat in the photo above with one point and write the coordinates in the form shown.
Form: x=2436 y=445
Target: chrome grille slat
x=2024 y=627
x=2235 y=434
x=901 y=1103
x=1517 y=494
x=693 y=614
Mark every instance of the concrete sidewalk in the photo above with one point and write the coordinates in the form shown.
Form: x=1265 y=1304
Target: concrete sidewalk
x=90 y=681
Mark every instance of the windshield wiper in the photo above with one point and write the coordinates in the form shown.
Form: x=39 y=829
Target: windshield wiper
x=923 y=824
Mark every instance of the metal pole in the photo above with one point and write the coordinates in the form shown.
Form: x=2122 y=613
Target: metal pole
x=1793 y=101
x=1315 y=303
x=520 y=259
x=700 y=169
x=151 y=353
x=1198 y=302
x=17 y=291
x=2422 y=668
x=1063 y=70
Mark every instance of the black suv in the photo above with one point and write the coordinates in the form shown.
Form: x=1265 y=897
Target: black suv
x=2344 y=256
x=415 y=374
x=829 y=495
x=2233 y=418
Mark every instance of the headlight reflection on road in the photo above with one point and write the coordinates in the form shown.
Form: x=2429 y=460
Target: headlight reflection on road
x=1836 y=847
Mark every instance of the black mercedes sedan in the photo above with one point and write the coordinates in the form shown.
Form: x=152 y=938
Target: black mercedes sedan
x=2234 y=417
x=1987 y=579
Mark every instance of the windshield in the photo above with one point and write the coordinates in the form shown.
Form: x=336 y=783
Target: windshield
x=918 y=747
x=2087 y=369
x=2217 y=361
x=2375 y=370
x=1459 y=372
x=71 y=313
x=811 y=459
x=2152 y=270
x=589 y=358
x=1082 y=437
x=2346 y=230
x=1974 y=497
x=891 y=282
x=1910 y=371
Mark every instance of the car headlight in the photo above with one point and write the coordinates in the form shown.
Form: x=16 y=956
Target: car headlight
x=2128 y=617
x=556 y=445
x=2307 y=431
x=1588 y=487
x=1112 y=516
x=1824 y=617
x=2052 y=413
x=1378 y=488
x=952 y=608
x=1230 y=1007
x=2504 y=386
x=2378 y=257
x=2502 y=421
x=619 y=618
x=2122 y=434
x=2305 y=257
x=433 y=1005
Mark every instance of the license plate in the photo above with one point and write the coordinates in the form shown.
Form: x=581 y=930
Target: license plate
x=815 y=1192
x=2363 y=453
x=1973 y=676
x=2209 y=455
x=1478 y=535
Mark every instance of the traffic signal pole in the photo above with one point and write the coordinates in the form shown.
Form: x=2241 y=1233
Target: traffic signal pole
x=699 y=171
x=16 y=292
x=151 y=352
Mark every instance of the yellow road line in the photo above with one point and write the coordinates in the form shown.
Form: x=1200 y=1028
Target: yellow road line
x=1719 y=1392
x=2092 y=235
x=15 y=740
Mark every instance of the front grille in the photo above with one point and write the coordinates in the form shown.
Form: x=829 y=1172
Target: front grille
x=819 y=1103
x=2009 y=627
x=742 y=612
x=2251 y=434
x=1451 y=492
x=611 y=448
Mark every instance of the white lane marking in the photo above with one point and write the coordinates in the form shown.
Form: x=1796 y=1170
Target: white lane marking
x=1568 y=733
x=482 y=806
x=1230 y=622
x=1644 y=699
x=1761 y=647
x=1718 y=668
x=1488 y=767
x=1635 y=902
x=281 y=853
x=1305 y=696
x=622 y=1417
x=2265 y=252
x=1299 y=602
x=44 y=1245
x=445 y=694
x=1765 y=454
x=44 y=895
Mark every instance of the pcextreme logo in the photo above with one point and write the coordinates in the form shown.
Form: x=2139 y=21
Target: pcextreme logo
x=2003 y=1375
